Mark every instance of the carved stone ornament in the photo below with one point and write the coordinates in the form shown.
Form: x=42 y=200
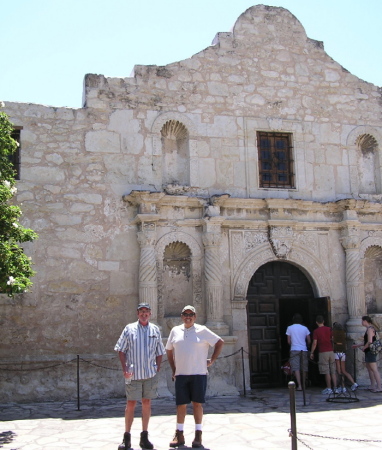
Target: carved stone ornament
x=281 y=239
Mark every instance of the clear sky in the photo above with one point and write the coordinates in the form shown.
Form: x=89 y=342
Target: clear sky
x=49 y=45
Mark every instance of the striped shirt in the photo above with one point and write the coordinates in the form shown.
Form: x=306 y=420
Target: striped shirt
x=142 y=344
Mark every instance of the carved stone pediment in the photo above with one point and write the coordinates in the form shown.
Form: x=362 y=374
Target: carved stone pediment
x=281 y=240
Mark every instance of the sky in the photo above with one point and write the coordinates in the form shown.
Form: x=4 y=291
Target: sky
x=49 y=45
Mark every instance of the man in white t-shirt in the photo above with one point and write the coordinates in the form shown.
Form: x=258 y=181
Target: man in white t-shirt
x=187 y=352
x=299 y=340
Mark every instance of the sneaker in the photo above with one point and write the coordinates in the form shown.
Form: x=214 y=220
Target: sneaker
x=126 y=443
x=344 y=390
x=178 y=439
x=354 y=387
x=144 y=442
x=337 y=391
x=327 y=391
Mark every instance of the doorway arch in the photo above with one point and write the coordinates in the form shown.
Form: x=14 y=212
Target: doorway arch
x=275 y=292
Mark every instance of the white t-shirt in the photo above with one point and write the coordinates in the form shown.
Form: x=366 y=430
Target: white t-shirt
x=190 y=347
x=298 y=334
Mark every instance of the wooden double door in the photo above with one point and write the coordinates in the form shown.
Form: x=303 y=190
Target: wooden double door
x=276 y=292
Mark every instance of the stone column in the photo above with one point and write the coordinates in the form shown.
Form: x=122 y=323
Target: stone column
x=213 y=275
x=148 y=289
x=354 y=283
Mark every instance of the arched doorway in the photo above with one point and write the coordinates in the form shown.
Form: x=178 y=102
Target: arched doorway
x=276 y=291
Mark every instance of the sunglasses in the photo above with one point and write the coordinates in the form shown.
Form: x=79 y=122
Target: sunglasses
x=188 y=314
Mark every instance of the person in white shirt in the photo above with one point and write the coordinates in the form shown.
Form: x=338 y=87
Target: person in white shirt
x=187 y=353
x=299 y=340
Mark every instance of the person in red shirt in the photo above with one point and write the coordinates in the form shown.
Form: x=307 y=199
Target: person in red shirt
x=323 y=340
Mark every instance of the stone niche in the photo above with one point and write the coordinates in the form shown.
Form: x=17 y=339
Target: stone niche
x=373 y=280
x=177 y=282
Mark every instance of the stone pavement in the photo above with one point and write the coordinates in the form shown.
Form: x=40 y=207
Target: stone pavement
x=260 y=420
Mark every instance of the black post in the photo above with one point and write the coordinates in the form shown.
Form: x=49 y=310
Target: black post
x=292 y=406
x=78 y=383
x=354 y=365
x=242 y=367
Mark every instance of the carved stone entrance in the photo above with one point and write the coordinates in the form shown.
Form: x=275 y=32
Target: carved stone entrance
x=276 y=291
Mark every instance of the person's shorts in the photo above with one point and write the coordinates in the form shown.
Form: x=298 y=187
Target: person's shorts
x=340 y=356
x=190 y=388
x=326 y=363
x=139 y=389
x=370 y=357
x=295 y=360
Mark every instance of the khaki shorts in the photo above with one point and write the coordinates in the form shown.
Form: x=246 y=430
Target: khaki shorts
x=295 y=360
x=139 y=389
x=326 y=363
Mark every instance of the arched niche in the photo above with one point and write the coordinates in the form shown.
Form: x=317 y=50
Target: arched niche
x=175 y=154
x=371 y=253
x=363 y=144
x=179 y=277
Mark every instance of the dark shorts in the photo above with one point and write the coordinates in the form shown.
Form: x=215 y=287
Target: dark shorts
x=369 y=357
x=190 y=388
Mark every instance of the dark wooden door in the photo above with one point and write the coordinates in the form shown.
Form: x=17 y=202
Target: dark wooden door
x=276 y=291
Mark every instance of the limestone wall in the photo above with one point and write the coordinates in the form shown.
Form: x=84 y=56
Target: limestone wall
x=187 y=131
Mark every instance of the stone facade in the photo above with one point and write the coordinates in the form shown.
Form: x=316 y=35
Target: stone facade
x=152 y=192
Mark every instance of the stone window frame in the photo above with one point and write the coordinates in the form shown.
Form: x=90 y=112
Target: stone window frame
x=15 y=157
x=268 y=160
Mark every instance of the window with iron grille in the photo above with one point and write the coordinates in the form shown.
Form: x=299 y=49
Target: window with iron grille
x=275 y=160
x=15 y=157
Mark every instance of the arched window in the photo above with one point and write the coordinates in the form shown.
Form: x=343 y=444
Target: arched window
x=175 y=151
x=369 y=166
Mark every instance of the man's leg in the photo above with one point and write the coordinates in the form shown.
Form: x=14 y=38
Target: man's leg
x=298 y=379
x=198 y=417
x=181 y=411
x=178 y=439
x=198 y=412
x=146 y=413
x=327 y=380
x=129 y=414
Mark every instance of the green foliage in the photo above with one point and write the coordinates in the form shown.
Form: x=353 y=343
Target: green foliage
x=15 y=266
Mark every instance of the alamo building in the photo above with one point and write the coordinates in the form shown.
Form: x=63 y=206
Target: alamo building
x=245 y=180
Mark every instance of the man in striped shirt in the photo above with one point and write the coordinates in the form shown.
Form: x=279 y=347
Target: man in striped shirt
x=140 y=344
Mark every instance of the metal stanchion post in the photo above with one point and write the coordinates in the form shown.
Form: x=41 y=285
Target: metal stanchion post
x=292 y=406
x=242 y=367
x=78 y=383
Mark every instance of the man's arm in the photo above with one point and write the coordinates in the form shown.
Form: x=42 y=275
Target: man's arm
x=314 y=345
x=171 y=360
x=217 y=349
x=289 y=340
x=158 y=360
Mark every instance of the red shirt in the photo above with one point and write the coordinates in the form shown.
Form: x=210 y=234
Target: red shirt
x=323 y=335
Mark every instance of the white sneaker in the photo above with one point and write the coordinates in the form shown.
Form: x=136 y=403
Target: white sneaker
x=337 y=390
x=354 y=387
x=327 y=391
x=344 y=390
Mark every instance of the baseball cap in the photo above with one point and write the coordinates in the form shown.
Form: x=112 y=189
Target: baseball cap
x=189 y=307
x=143 y=305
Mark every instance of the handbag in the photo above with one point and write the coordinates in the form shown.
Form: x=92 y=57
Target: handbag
x=376 y=346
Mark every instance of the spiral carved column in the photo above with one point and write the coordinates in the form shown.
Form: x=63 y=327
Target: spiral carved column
x=213 y=278
x=148 y=289
x=354 y=283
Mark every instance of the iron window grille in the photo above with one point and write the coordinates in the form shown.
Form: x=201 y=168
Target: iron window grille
x=275 y=160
